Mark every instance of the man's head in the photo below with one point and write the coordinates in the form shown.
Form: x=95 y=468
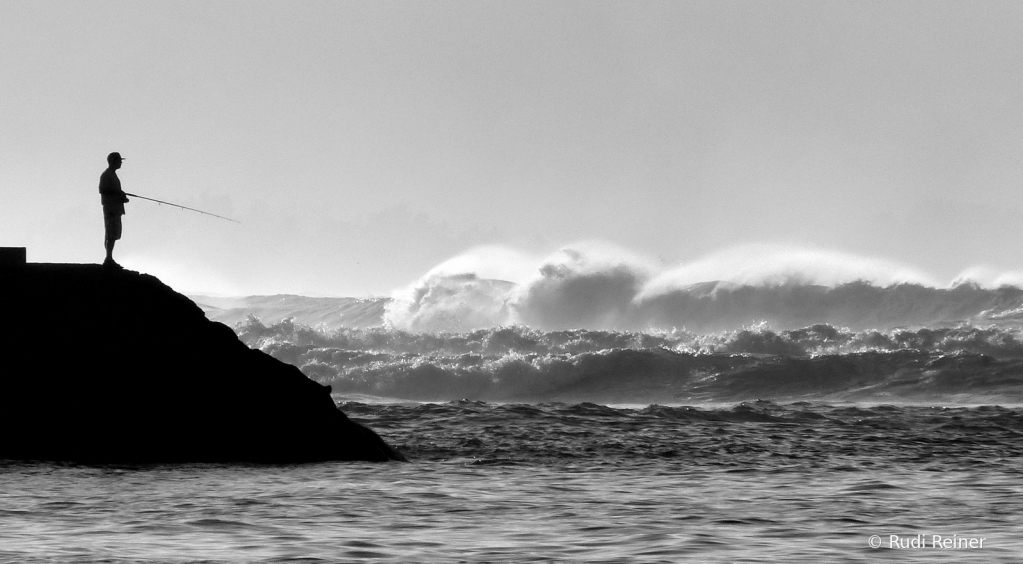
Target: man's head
x=114 y=160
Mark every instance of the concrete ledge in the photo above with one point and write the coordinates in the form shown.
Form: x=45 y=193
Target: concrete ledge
x=12 y=256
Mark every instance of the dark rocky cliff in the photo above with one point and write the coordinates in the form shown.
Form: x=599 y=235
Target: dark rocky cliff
x=106 y=365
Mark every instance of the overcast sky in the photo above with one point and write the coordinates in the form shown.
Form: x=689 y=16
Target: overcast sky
x=362 y=143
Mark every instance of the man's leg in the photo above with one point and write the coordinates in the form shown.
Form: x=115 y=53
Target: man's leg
x=112 y=227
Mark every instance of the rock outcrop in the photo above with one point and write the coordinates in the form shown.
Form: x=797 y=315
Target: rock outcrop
x=107 y=365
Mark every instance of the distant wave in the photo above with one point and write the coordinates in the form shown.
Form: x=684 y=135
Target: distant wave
x=331 y=313
x=597 y=323
x=595 y=287
x=519 y=364
x=464 y=303
x=858 y=305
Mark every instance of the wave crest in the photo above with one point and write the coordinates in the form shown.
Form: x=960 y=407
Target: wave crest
x=604 y=287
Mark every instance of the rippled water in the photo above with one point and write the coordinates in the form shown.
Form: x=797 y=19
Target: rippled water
x=558 y=482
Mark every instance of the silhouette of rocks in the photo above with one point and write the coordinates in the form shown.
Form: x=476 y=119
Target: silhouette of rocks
x=107 y=365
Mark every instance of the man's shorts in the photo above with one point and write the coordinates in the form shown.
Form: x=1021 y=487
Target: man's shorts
x=112 y=222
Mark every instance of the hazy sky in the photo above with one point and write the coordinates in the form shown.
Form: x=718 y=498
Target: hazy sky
x=362 y=143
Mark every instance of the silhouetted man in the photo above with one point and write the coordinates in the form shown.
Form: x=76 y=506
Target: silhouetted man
x=113 y=206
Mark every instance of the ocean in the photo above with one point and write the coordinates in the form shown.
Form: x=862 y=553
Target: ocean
x=558 y=482
x=890 y=433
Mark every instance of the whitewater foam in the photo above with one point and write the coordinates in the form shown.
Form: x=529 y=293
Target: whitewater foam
x=522 y=364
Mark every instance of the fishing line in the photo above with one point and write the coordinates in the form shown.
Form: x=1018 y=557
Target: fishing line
x=182 y=207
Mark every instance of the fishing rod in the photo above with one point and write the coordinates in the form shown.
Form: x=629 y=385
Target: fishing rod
x=180 y=206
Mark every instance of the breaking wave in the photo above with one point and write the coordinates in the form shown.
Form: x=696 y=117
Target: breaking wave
x=597 y=286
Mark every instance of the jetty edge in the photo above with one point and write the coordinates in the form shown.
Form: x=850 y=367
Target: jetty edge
x=103 y=365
